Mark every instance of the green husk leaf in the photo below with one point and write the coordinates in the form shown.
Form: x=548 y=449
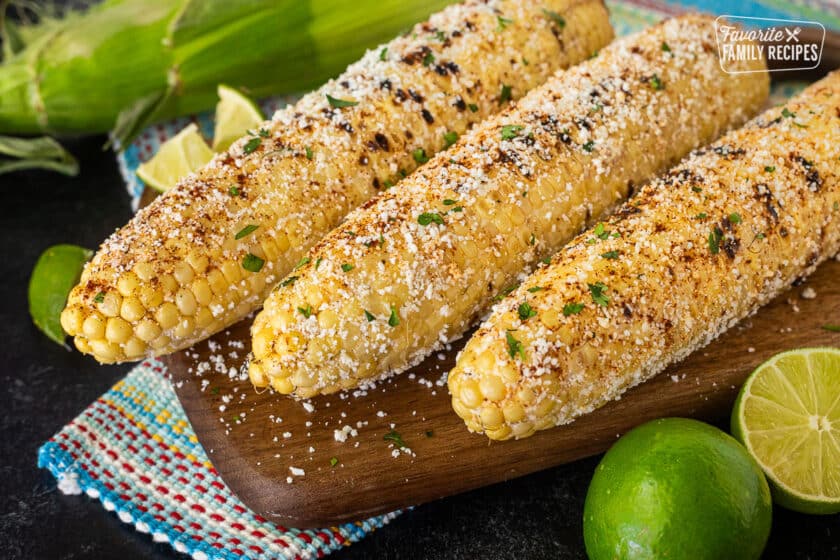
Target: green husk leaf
x=133 y=119
x=58 y=269
x=35 y=153
x=9 y=34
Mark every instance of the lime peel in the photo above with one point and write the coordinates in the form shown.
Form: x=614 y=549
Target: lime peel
x=235 y=115
x=176 y=158
x=58 y=269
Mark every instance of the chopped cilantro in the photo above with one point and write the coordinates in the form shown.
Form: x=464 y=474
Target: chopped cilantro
x=610 y=255
x=701 y=216
x=336 y=103
x=394 y=436
x=394 y=319
x=252 y=145
x=301 y=262
x=770 y=168
x=787 y=114
x=572 y=309
x=347 y=267
x=502 y=22
x=665 y=47
x=427 y=218
x=656 y=83
x=288 y=281
x=514 y=346
x=247 y=230
x=526 y=311
x=383 y=54
x=505 y=291
x=450 y=138
x=598 y=296
x=536 y=289
x=252 y=263
x=735 y=218
x=420 y=155
x=309 y=153
x=449 y=202
x=333 y=461
x=555 y=17
x=511 y=131
x=369 y=316
x=546 y=260
x=429 y=59
x=473 y=107
x=832 y=328
x=589 y=146
x=233 y=191
x=318 y=262
x=505 y=94
x=696 y=189
x=99 y=298
x=305 y=311
x=715 y=237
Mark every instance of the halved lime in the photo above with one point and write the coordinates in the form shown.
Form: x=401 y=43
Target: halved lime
x=788 y=417
x=177 y=157
x=235 y=115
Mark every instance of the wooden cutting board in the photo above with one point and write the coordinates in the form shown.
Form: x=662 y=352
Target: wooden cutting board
x=254 y=451
x=256 y=439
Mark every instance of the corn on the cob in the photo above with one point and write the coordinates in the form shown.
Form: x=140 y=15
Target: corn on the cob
x=207 y=253
x=415 y=267
x=693 y=253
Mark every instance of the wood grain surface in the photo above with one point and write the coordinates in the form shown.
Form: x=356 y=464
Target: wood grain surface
x=255 y=439
x=253 y=451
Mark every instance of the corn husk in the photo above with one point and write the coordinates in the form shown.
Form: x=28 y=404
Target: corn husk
x=125 y=63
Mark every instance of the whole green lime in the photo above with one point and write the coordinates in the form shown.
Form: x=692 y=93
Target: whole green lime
x=678 y=489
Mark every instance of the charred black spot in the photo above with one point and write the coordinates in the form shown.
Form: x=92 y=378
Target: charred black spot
x=460 y=104
x=631 y=188
x=381 y=140
x=400 y=95
x=385 y=84
x=565 y=138
x=813 y=259
x=452 y=67
x=409 y=134
x=730 y=246
x=415 y=96
x=812 y=176
x=628 y=312
x=416 y=56
x=798 y=281
x=456 y=33
x=347 y=127
x=376 y=183
x=440 y=69
x=427 y=116
x=345 y=84
x=469 y=25
x=363 y=160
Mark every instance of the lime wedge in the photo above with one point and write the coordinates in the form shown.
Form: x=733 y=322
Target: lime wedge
x=235 y=115
x=177 y=157
x=58 y=269
x=788 y=417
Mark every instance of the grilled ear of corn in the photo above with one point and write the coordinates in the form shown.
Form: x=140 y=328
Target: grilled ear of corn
x=418 y=265
x=695 y=252
x=207 y=253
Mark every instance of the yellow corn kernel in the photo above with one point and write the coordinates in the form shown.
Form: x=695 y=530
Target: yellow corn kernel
x=127 y=284
x=132 y=310
x=110 y=304
x=150 y=297
x=117 y=330
x=71 y=320
x=134 y=348
x=94 y=327
x=282 y=385
x=147 y=330
x=167 y=315
x=183 y=273
x=144 y=271
x=185 y=301
x=202 y=292
x=184 y=327
x=492 y=387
